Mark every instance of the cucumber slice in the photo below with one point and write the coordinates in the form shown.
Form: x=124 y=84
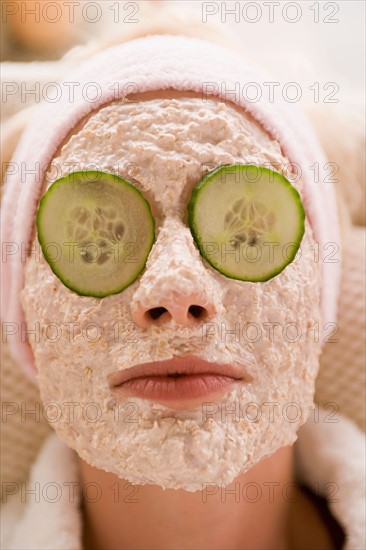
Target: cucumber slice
x=96 y=231
x=247 y=221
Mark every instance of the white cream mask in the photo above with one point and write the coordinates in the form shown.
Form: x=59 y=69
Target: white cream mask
x=164 y=146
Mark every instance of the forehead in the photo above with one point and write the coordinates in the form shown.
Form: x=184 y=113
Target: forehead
x=164 y=142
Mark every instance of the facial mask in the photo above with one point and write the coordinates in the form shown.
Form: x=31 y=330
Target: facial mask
x=164 y=146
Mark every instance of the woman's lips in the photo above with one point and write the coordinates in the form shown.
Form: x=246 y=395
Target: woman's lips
x=174 y=380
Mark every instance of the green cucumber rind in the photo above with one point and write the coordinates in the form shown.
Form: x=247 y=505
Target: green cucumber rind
x=42 y=240
x=195 y=232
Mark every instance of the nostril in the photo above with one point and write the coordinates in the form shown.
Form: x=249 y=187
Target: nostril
x=198 y=312
x=156 y=312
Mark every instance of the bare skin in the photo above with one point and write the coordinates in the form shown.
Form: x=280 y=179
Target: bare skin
x=262 y=509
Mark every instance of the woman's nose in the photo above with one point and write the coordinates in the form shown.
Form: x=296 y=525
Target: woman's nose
x=175 y=285
x=187 y=310
x=184 y=310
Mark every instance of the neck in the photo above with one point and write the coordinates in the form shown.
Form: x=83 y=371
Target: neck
x=252 y=512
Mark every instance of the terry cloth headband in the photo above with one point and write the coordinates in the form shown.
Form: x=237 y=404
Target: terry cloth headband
x=155 y=62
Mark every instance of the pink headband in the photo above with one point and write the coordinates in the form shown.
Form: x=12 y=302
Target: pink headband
x=154 y=63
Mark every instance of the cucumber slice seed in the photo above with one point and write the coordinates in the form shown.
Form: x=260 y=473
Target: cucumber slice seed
x=96 y=231
x=247 y=221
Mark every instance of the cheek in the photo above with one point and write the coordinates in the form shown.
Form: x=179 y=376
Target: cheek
x=72 y=333
x=279 y=320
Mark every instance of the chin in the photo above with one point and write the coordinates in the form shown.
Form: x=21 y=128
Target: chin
x=147 y=443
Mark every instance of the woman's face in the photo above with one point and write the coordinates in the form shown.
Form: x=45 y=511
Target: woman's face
x=163 y=144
